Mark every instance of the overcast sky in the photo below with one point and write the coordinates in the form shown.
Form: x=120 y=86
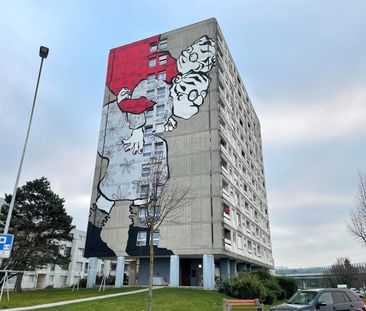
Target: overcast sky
x=303 y=64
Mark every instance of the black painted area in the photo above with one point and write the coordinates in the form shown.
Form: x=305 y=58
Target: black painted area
x=133 y=250
x=94 y=245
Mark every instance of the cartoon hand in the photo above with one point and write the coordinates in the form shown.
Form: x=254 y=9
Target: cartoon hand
x=170 y=125
x=123 y=94
x=135 y=143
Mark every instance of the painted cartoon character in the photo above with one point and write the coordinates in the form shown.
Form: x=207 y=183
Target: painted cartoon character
x=145 y=98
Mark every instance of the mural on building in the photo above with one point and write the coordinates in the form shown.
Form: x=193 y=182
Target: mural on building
x=147 y=90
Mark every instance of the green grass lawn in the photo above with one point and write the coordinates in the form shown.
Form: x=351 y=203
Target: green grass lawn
x=164 y=299
x=30 y=298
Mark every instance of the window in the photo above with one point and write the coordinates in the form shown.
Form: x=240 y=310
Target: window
x=225 y=187
x=227 y=234
x=240 y=242
x=113 y=266
x=226 y=209
x=250 y=247
x=238 y=219
x=150 y=94
x=147 y=150
x=150 y=78
x=149 y=113
x=152 y=62
x=159 y=149
x=144 y=191
x=145 y=170
x=162 y=75
x=156 y=238
x=80 y=252
x=141 y=238
x=160 y=109
x=161 y=92
x=148 y=131
x=326 y=298
x=142 y=214
x=162 y=60
x=153 y=47
x=224 y=164
x=67 y=251
x=163 y=44
x=157 y=211
x=339 y=298
x=223 y=143
x=158 y=192
x=86 y=266
x=247 y=207
x=52 y=267
x=237 y=195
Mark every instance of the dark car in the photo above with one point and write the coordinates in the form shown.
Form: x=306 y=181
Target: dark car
x=325 y=299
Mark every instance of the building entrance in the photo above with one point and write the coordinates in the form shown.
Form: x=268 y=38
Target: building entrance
x=191 y=272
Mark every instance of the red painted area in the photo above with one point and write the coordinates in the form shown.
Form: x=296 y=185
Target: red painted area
x=128 y=65
x=135 y=105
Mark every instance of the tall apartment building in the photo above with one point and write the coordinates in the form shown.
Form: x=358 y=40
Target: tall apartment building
x=178 y=95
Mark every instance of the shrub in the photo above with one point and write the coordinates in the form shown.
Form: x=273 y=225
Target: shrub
x=244 y=286
x=269 y=297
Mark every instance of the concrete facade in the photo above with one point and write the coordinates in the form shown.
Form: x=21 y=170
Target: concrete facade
x=216 y=152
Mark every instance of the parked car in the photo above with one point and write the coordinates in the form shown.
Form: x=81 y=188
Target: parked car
x=324 y=299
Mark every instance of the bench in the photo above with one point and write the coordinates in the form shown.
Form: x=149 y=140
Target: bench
x=229 y=304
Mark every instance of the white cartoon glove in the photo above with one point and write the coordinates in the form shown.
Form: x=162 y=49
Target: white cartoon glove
x=170 y=125
x=123 y=94
x=135 y=143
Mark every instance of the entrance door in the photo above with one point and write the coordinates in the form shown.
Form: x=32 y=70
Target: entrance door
x=186 y=271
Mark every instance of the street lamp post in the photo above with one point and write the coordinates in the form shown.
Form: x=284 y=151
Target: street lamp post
x=43 y=53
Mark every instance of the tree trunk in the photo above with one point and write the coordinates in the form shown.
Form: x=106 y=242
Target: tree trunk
x=151 y=269
x=18 y=283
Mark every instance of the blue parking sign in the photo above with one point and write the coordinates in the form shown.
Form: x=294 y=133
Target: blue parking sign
x=6 y=242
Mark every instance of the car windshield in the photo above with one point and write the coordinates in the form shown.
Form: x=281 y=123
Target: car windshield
x=302 y=298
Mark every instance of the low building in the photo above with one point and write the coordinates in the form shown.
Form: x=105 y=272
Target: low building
x=63 y=276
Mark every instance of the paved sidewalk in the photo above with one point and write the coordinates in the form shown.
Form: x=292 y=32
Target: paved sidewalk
x=67 y=302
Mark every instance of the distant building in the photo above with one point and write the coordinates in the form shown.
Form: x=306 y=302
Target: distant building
x=313 y=277
x=57 y=276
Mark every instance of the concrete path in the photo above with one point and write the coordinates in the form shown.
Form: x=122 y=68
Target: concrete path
x=67 y=302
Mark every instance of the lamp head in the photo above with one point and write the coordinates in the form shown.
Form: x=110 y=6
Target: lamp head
x=43 y=52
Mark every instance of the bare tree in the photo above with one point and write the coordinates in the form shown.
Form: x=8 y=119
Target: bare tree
x=164 y=199
x=357 y=227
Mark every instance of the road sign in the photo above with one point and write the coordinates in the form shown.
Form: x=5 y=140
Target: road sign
x=6 y=243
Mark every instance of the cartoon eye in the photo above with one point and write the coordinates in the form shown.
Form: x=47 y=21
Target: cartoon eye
x=189 y=49
x=192 y=95
x=203 y=94
x=193 y=57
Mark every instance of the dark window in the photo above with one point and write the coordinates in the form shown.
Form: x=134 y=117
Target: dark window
x=227 y=234
x=153 y=47
x=67 y=251
x=338 y=297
